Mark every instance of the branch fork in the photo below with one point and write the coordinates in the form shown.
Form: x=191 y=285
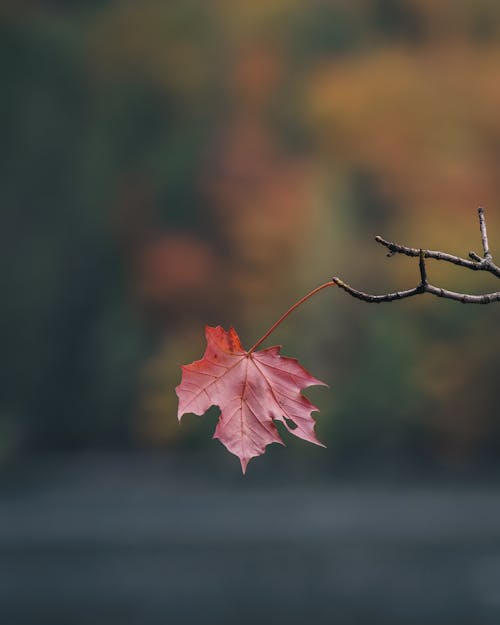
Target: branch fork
x=476 y=263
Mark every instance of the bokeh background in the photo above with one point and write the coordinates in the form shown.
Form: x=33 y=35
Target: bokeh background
x=170 y=164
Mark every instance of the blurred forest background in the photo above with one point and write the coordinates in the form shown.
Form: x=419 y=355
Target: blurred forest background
x=170 y=164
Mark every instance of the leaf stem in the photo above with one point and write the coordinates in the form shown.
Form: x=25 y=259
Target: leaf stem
x=290 y=310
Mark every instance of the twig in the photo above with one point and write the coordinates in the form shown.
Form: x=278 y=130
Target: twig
x=484 y=233
x=464 y=298
x=477 y=263
x=423 y=269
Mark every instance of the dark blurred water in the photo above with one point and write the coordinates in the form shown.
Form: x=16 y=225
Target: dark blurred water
x=99 y=540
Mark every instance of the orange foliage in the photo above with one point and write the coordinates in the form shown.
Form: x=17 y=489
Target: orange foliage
x=424 y=122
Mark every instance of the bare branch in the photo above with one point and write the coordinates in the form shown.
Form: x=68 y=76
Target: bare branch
x=464 y=298
x=423 y=269
x=484 y=233
x=395 y=248
x=477 y=263
x=375 y=299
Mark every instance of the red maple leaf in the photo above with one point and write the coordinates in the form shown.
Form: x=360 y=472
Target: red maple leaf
x=252 y=390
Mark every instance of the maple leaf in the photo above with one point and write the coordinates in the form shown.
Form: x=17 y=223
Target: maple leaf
x=252 y=390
